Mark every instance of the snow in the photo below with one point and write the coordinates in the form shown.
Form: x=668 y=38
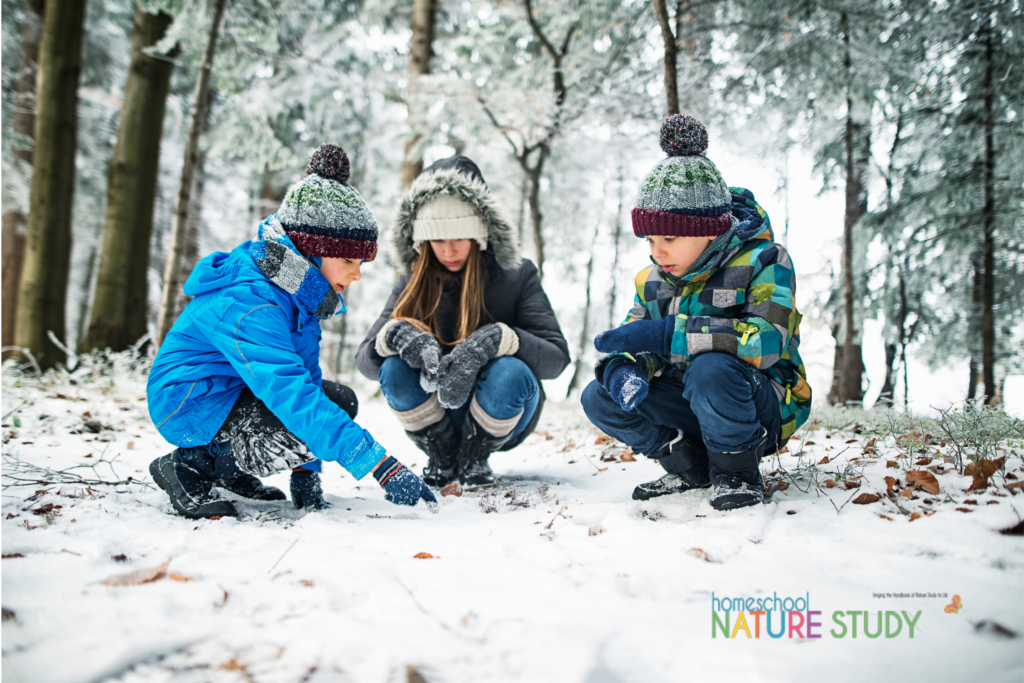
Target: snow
x=567 y=579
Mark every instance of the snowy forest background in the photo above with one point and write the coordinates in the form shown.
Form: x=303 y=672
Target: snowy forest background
x=883 y=137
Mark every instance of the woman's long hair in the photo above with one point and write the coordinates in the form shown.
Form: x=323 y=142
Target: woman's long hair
x=422 y=295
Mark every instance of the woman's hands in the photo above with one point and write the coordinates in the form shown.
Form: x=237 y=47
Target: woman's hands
x=417 y=348
x=460 y=368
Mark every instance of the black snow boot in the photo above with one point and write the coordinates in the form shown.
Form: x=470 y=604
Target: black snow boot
x=440 y=441
x=685 y=458
x=474 y=450
x=230 y=477
x=306 y=491
x=737 y=477
x=187 y=476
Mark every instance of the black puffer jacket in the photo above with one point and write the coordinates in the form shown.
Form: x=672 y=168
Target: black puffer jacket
x=512 y=291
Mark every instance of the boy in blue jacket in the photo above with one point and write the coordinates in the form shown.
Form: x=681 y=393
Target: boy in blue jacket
x=237 y=385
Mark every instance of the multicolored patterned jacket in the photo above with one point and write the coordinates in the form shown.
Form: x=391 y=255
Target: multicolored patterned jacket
x=741 y=302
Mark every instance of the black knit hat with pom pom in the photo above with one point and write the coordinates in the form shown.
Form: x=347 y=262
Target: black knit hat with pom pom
x=325 y=216
x=684 y=195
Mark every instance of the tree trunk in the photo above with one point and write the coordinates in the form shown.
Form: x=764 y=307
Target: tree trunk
x=190 y=253
x=533 y=199
x=578 y=371
x=120 y=303
x=669 y=40
x=988 y=329
x=858 y=153
x=42 y=291
x=616 y=234
x=200 y=109
x=972 y=381
x=22 y=124
x=889 y=387
x=420 y=52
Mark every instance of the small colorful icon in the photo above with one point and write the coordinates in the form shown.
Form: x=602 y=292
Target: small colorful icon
x=954 y=607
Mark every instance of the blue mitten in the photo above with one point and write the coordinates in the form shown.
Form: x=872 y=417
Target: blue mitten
x=625 y=382
x=402 y=486
x=641 y=336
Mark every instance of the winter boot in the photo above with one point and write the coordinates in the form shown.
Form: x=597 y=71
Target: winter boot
x=306 y=491
x=187 y=476
x=474 y=449
x=737 y=477
x=440 y=441
x=230 y=477
x=685 y=458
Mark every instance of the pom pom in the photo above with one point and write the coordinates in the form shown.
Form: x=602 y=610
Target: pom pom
x=683 y=136
x=330 y=162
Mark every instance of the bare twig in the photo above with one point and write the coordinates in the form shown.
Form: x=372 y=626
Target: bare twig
x=282 y=555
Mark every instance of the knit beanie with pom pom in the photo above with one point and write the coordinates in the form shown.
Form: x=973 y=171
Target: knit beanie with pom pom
x=684 y=195
x=325 y=216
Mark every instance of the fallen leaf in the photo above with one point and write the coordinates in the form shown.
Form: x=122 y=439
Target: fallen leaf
x=602 y=439
x=809 y=443
x=214 y=518
x=1015 y=485
x=923 y=461
x=138 y=577
x=783 y=485
x=11 y=556
x=547 y=436
x=979 y=484
x=697 y=552
x=306 y=582
x=963 y=509
x=987 y=626
x=890 y=482
x=925 y=480
x=866 y=499
x=892 y=463
x=886 y=517
x=627 y=457
x=915 y=515
x=452 y=489
x=603 y=469
x=851 y=441
x=790 y=512
x=992 y=502
x=852 y=484
x=830 y=483
x=1011 y=475
x=119 y=558
x=970 y=501
x=180 y=577
x=1015 y=530
x=906 y=493
x=233 y=665
x=984 y=468
x=823 y=461
x=130 y=445
x=423 y=556
x=8 y=615
x=595 y=530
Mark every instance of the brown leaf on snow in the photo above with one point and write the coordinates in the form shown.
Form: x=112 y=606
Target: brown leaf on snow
x=852 y=484
x=130 y=445
x=1015 y=530
x=180 y=577
x=923 y=461
x=783 y=485
x=698 y=552
x=602 y=439
x=892 y=463
x=866 y=499
x=452 y=489
x=915 y=515
x=1015 y=485
x=906 y=493
x=984 y=468
x=886 y=517
x=11 y=556
x=925 y=480
x=890 y=482
x=823 y=461
x=809 y=443
x=963 y=510
x=830 y=483
x=627 y=457
x=138 y=577
x=547 y=436
x=851 y=441
x=423 y=556
x=979 y=484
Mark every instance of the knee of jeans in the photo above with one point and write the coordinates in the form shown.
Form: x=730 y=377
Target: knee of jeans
x=396 y=372
x=512 y=377
x=714 y=368
x=343 y=397
x=594 y=400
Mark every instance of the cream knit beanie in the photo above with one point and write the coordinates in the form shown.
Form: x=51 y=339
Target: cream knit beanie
x=447 y=218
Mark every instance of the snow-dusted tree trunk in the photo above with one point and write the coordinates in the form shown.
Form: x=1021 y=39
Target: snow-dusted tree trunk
x=118 y=317
x=420 y=51
x=13 y=239
x=43 y=288
x=578 y=371
x=669 y=41
x=200 y=110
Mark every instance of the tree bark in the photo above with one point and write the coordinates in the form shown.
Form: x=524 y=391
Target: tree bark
x=420 y=51
x=118 y=317
x=42 y=290
x=200 y=110
x=190 y=252
x=533 y=199
x=988 y=330
x=669 y=40
x=616 y=235
x=578 y=371
x=22 y=123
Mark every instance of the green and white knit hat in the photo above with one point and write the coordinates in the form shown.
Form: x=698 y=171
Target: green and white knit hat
x=684 y=195
x=325 y=216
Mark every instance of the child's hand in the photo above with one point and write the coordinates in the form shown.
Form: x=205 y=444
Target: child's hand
x=402 y=486
x=642 y=336
x=625 y=382
x=416 y=347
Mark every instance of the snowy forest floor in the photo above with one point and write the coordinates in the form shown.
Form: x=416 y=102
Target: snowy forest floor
x=555 y=574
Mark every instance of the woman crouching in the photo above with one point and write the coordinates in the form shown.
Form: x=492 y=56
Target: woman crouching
x=468 y=332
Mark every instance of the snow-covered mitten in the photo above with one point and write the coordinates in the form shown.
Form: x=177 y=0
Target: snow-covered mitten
x=417 y=348
x=641 y=336
x=459 y=369
x=306 y=491
x=625 y=382
x=402 y=487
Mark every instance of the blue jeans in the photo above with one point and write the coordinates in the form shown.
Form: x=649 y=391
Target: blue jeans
x=504 y=387
x=721 y=399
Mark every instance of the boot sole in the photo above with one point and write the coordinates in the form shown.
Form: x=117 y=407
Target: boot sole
x=161 y=470
x=640 y=494
x=727 y=503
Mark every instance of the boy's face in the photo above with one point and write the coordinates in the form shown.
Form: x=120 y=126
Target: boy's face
x=676 y=254
x=452 y=254
x=340 y=272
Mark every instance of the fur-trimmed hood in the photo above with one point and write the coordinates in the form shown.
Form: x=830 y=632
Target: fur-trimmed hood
x=502 y=237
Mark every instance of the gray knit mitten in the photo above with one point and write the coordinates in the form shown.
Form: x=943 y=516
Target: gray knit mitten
x=459 y=369
x=417 y=348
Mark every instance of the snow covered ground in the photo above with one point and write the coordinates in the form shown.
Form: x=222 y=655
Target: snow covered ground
x=554 y=575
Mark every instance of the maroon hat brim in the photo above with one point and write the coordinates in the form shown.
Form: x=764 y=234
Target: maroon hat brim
x=652 y=222
x=333 y=247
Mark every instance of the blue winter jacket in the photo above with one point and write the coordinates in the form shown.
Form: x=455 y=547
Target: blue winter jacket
x=242 y=329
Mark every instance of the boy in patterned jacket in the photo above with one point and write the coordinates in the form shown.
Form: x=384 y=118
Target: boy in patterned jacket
x=704 y=374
